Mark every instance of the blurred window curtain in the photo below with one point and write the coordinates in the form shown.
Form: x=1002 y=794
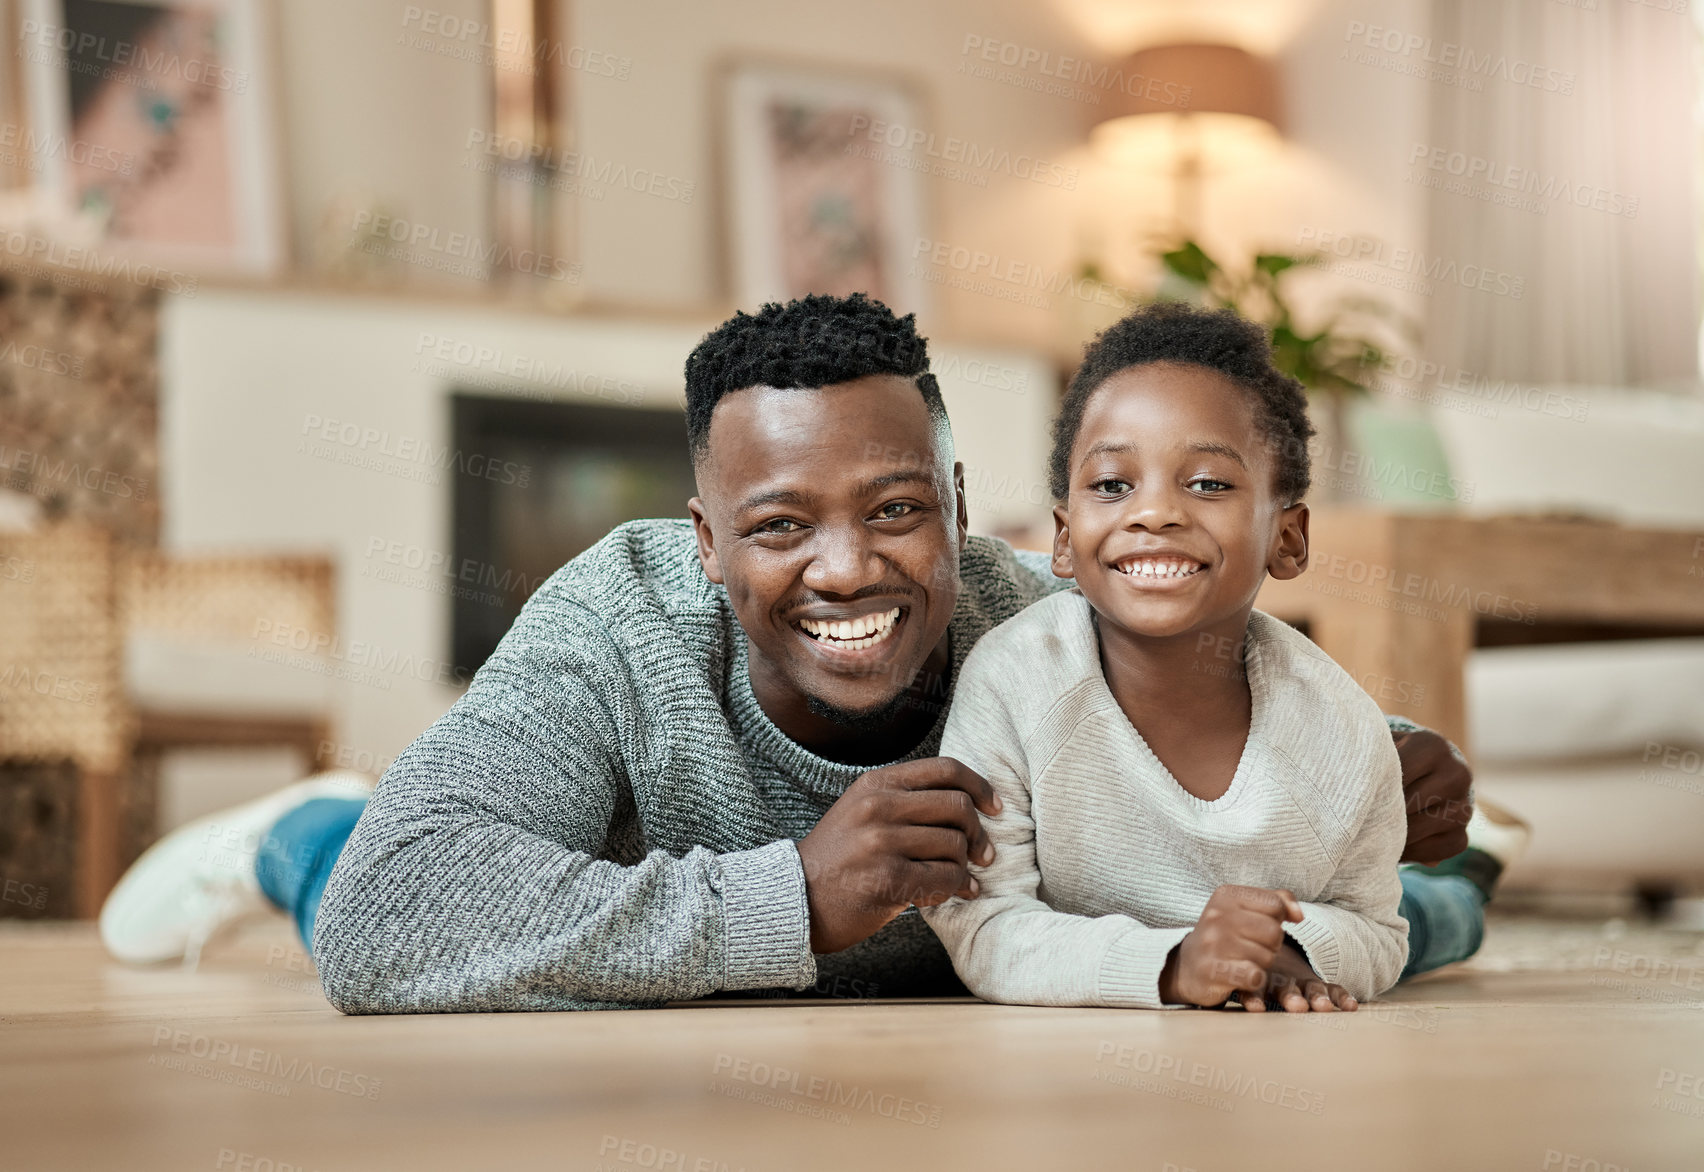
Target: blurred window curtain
x=1607 y=299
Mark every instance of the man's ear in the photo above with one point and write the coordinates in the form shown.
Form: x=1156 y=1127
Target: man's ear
x=963 y=503
x=706 y=540
x=1062 y=567
x=1289 y=555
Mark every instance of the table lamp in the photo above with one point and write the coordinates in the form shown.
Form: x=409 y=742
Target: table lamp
x=1210 y=105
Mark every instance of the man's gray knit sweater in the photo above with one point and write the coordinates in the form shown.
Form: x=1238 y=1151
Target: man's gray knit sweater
x=607 y=818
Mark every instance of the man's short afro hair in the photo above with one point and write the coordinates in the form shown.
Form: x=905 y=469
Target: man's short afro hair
x=1174 y=332
x=815 y=341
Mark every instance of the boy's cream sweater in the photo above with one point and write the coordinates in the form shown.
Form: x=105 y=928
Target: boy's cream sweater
x=1104 y=862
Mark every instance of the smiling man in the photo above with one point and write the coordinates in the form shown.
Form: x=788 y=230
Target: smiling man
x=704 y=758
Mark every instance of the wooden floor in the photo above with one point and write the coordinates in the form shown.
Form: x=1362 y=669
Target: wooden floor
x=1568 y=1045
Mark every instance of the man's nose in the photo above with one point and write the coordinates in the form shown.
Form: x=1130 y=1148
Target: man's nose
x=842 y=562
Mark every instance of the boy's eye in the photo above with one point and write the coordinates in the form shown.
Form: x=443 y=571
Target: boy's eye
x=1111 y=486
x=1208 y=485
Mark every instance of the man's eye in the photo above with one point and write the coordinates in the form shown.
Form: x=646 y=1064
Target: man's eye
x=780 y=525
x=894 y=510
x=1111 y=486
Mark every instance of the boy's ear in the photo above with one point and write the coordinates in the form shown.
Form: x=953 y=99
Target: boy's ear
x=1289 y=555
x=706 y=540
x=1062 y=567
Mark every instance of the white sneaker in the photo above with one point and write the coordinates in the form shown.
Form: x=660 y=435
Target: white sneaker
x=200 y=878
x=1501 y=834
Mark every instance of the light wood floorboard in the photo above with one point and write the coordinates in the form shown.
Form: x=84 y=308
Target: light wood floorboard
x=1565 y=1042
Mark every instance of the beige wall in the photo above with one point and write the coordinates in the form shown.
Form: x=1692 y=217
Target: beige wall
x=643 y=249
x=366 y=119
x=369 y=118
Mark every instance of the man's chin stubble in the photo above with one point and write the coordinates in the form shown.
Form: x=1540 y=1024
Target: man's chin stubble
x=869 y=720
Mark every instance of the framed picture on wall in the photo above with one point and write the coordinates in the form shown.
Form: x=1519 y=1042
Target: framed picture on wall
x=816 y=198
x=150 y=131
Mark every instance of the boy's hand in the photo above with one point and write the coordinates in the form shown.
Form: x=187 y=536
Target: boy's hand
x=1293 y=986
x=1231 y=948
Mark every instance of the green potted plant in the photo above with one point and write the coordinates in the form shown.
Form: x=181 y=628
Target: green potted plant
x=1335 y=360
x=1336 y=357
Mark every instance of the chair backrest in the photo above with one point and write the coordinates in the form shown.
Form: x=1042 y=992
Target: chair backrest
x=69 y=597
x=61 y=650
x=223 y=599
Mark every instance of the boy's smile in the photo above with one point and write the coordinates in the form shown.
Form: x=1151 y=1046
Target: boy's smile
x=1172 y=522
x=1160 y=569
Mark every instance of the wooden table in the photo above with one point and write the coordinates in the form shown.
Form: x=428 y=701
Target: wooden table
x=1401 y=599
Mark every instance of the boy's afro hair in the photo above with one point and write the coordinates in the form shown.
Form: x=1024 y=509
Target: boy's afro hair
x=1173 y=332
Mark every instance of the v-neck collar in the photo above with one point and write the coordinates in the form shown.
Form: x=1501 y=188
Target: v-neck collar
x=1259 y=686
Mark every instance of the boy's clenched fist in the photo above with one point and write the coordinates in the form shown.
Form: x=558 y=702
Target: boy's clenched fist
x=1231 y=948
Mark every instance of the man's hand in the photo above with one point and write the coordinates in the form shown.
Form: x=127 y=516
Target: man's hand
x=1438 y=791
x=903 y=834
x=1293 y=986
x=1231 y=947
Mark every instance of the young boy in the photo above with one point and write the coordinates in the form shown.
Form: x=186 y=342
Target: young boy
x=1199 y=805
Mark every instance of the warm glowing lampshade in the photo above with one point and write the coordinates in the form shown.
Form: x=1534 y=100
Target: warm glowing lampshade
x=1203 y=107
x=1216 y=101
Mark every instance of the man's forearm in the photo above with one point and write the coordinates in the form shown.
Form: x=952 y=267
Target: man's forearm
x=482 y=918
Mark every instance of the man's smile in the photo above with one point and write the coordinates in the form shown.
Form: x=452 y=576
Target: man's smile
x=851 y=635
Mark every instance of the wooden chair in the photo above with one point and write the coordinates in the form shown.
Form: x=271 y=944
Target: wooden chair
x=217 y=601
x=70 y=598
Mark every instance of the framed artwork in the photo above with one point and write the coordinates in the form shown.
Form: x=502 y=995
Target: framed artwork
x=816 y=201
x=149 y=130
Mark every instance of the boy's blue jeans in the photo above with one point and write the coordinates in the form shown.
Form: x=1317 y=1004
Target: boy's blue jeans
x=1446 y=919
x=1445 y=913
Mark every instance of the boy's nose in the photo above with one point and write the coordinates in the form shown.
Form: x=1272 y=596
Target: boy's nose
x=1156 y=508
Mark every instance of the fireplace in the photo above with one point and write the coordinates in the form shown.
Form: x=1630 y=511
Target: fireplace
x=538 y=482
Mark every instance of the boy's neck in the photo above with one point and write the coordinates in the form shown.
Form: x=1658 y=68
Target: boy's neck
x=1188 y=695
x=1193 y=669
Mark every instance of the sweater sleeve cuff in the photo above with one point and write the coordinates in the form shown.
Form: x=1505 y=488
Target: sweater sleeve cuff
x=1320 y=945
x=766 y=920
x=1130 y=970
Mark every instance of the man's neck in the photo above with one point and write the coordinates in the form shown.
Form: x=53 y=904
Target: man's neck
x=911 y=719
